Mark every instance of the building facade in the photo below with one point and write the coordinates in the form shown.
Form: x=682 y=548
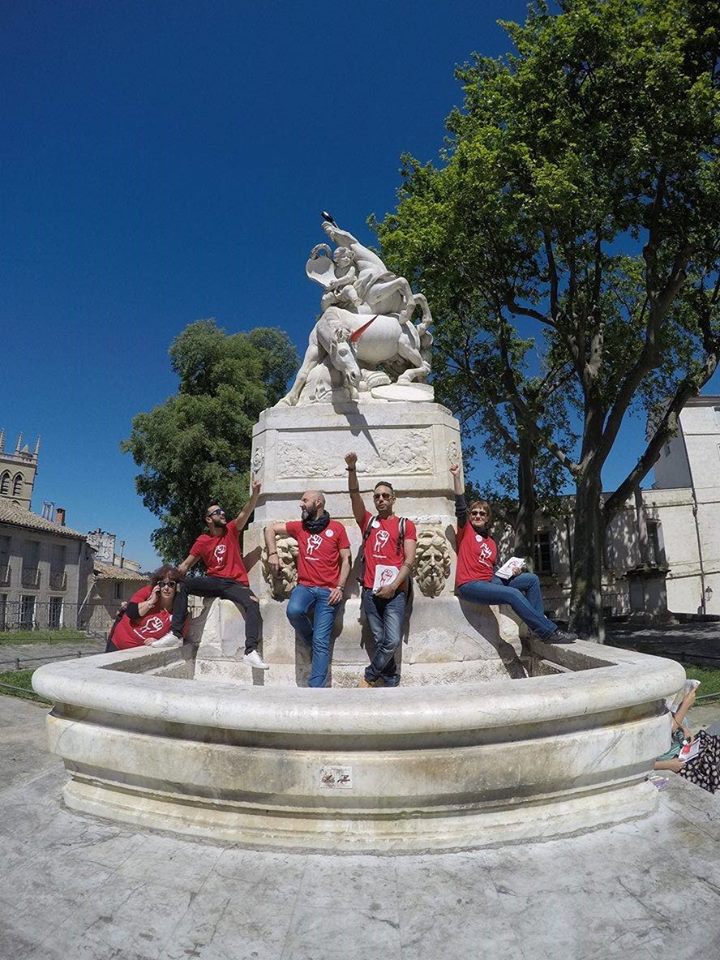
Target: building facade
x=45 y=569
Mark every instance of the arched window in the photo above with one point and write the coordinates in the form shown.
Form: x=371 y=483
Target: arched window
x=17 y=485
x=5 y=483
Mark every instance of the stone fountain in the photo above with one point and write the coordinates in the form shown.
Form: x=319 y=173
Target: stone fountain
x=491 y=738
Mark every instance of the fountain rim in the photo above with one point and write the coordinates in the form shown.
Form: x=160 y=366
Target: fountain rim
x=118 y=683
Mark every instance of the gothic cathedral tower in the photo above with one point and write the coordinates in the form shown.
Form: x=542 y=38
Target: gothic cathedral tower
x=17 y=473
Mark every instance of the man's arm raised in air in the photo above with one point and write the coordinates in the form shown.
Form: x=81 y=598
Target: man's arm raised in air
x=358 y=504
x=242 y=518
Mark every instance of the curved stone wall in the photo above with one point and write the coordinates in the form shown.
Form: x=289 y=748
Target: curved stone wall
x=404 y=770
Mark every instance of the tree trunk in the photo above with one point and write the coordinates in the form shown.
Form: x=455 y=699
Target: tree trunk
x=525 y=524
x=588 y=537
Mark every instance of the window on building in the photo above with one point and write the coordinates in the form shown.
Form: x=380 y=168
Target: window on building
x=55 y=612
x=57 y=567
x=27 y=612
x=5 y=560
x=118 y=590
x=3 y=611
x=31 y=560
x=5 y=483
x=656 y=554
x=17 y=485
x=543 y=553
x=716 y=411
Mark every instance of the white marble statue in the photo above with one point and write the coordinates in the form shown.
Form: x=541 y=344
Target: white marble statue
x=365 y=332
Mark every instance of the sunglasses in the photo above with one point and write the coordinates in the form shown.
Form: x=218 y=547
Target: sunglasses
x=167 y=583
x=382 y=496
x=216 y=513
x=478 y=513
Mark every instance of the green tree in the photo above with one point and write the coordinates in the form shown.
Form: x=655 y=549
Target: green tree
x=576 y=208
x=196 y=446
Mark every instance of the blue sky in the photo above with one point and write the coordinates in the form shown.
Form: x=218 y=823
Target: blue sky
x=168 y=161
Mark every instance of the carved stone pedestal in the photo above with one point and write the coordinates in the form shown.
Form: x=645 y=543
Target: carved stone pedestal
x=411 y=445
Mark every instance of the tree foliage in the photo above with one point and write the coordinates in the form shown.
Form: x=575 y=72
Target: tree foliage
x=568 y=239
x=196 y=446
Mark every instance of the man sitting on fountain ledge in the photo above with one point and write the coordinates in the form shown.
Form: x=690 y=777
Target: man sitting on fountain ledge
x=323 y=568
x=226 y=574
x=388 y=555
x=476 y=579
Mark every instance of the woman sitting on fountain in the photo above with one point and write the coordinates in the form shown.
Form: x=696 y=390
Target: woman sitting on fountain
x=146 y=620
x=476 y=580
x=703 y=769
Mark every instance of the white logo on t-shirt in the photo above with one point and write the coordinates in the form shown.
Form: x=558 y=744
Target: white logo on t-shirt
x=485 y=552
x=314 y=543
x=219 y=552
x=329 y=533
x=381 y=541
x=151 y=626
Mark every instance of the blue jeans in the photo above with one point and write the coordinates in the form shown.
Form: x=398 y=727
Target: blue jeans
x=385 y=619
x=314 y=631
x=522 y=594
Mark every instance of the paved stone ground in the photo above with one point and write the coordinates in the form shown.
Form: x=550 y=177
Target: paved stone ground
x=696 y=642
x=33 y=655
x=76 y=888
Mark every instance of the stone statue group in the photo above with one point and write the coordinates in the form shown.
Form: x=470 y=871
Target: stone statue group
x=365 y=336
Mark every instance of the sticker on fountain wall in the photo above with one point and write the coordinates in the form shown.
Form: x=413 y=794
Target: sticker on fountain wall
x=336 y=777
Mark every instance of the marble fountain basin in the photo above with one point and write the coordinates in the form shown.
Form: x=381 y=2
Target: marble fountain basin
x=423 y=768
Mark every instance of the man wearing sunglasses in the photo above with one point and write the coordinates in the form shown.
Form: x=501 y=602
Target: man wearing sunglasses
x=323 y=565
x=226 y=576
x=388 y=555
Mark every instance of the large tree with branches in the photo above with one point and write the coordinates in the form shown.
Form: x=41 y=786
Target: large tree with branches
x=568 y=238
x=196 y=446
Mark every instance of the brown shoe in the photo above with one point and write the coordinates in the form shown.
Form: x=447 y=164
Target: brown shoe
x=371 y=683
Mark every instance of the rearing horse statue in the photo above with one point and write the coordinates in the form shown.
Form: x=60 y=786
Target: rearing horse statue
x=366 y=319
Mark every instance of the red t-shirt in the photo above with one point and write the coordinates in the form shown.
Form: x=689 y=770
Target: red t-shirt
x=135 y=633
x=382 y=546
x=221 y=555
x=319 y=553
x=476 y=556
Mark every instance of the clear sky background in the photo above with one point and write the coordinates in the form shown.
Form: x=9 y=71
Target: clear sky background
x=168 y=161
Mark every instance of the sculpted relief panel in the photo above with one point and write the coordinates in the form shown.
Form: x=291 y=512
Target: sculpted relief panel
x=408 y=454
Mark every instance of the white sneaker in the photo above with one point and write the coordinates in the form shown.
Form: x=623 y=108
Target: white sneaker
x=169 y=640
x=254 y=660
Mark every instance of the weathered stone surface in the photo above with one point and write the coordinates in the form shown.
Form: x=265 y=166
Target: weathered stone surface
x=432 y=767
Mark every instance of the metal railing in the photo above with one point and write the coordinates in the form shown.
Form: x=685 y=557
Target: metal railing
x=30 y=577
x=94 y=619
x=58 y=580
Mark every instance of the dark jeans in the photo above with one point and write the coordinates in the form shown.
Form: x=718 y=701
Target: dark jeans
x=385 y=619
x=227 y=590
x=522 y=594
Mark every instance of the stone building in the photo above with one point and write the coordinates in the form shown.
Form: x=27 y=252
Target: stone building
x=52 y=576
x=17 y=473
x=45 y=568
x=667 y=540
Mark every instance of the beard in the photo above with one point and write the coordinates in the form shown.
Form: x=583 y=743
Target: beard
x=308 y=513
